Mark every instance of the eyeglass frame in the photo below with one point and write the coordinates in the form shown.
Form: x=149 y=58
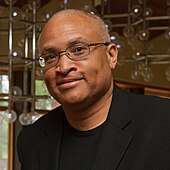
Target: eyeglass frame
x=58 y=54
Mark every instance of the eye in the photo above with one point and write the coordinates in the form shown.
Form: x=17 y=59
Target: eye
x=78 y=49
x=50 y=57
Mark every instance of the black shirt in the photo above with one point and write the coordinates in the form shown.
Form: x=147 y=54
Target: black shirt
x=78 y=148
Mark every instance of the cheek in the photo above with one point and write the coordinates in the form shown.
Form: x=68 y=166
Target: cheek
x=97 y=72
x=101 y=66
x=103 y=70
x=49 y=77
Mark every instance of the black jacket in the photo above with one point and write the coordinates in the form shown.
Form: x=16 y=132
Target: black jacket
x=137 y=136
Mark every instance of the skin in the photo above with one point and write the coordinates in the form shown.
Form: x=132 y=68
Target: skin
x=84 y=87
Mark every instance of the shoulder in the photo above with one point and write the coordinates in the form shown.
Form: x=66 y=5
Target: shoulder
x=47 y=121
x=143 y=107
x=32 y=137
x=150 y=103
x=143 y=101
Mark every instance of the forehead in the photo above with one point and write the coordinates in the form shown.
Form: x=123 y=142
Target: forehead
x=72 y=20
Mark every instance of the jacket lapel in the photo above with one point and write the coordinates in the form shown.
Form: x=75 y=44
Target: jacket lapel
x=49 y=147
x=114 y=141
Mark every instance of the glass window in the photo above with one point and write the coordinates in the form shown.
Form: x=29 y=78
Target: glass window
x=4 y=84
x=3 y=144
x=4 y=88
x=46 y=103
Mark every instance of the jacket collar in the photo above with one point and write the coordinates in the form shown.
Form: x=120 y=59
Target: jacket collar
x=119 y=109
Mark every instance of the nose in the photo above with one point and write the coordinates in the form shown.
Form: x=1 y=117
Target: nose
x=65 y=64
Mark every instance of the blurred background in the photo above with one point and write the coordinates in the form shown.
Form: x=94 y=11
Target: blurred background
x=139 y=28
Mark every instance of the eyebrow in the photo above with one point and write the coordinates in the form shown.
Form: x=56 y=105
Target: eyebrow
x=49 y=50
x=70 y=43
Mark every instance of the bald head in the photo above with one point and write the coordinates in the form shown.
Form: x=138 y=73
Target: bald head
x=94 y=21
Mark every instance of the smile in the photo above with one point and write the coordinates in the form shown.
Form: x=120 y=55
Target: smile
x=68 y=83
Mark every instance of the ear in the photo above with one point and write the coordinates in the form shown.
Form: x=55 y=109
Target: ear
x=112 y=54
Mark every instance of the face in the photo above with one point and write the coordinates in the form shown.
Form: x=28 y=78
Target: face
x=80 y=82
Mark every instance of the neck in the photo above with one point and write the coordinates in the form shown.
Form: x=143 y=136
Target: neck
x=89 y=117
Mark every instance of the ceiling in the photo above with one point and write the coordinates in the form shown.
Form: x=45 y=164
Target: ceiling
x=158 y=7
x=112 y=7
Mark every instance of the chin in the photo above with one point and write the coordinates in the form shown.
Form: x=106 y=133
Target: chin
x=72 y=100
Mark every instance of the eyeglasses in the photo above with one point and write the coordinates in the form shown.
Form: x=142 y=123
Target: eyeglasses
x=75 y=52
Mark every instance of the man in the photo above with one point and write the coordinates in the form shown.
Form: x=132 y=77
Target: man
x=98 y=126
